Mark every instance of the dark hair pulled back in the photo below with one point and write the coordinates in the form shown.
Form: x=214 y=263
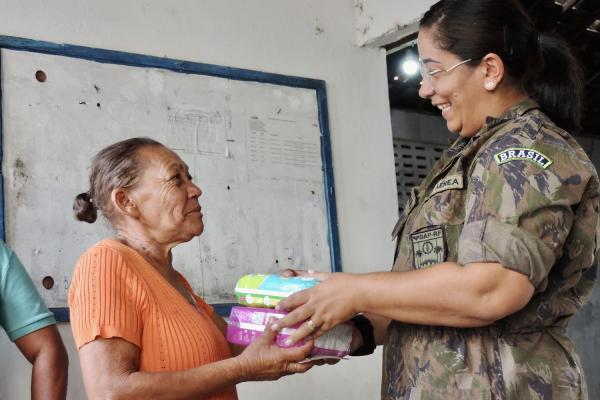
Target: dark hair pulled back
x=541 y=64
x=115 y=166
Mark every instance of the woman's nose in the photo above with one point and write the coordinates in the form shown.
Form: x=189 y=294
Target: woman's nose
x=426 y=89
x=194 y=190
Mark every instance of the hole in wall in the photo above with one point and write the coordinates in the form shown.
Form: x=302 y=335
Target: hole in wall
x=40 y=76
x=48 y=282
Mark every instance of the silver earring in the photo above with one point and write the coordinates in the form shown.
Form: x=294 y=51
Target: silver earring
x=490 y=85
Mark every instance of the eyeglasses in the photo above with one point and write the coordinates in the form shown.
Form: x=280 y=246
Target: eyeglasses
x=428 y=75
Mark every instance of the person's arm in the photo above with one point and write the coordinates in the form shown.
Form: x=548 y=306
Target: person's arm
x=517 y=218
x=111 y=370
x=32 y=327
x=447 y=294
x=45 y=350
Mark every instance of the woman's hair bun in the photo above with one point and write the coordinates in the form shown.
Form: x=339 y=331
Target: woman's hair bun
x=83 y=208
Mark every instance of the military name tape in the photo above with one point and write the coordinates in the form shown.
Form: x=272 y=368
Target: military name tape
x=523 y=154
x=450 y=182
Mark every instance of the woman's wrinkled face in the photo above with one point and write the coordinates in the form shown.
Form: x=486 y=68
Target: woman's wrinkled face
x=166 y=197
x=456 y=92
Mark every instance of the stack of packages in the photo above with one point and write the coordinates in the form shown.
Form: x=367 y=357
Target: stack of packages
x=259 y=294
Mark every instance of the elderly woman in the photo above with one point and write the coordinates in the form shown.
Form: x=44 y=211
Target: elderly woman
x=141 y=331
x=496 y=249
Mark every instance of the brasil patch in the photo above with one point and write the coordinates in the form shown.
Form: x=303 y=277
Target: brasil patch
x=523 y=154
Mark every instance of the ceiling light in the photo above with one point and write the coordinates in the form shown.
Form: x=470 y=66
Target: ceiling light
x=410 y=67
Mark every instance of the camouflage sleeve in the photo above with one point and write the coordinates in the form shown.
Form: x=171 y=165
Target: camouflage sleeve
x=513 y=247
x=519 y=204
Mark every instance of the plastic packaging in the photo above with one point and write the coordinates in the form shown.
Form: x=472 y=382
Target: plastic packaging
x=246 y=324
x=259 y=290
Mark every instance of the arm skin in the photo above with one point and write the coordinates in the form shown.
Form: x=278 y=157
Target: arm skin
x=447 y=294
x=45 y=350
x=111 y=370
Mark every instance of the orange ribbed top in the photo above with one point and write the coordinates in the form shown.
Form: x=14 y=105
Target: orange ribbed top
x=115 y=292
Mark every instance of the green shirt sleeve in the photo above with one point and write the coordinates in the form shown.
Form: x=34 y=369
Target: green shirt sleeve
x=22 y=310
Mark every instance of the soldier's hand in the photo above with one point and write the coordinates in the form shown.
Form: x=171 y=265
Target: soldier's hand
x=322 y=307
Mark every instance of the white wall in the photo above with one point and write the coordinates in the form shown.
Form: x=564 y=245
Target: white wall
x=381 y=22
x=311 y=38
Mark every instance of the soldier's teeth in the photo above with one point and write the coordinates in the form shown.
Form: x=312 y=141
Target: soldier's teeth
x=444 y=106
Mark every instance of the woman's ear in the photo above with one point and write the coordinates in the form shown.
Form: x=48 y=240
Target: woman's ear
x=123 y=203
x=493 y=71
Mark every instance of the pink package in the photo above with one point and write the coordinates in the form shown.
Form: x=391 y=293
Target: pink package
x=247 y=324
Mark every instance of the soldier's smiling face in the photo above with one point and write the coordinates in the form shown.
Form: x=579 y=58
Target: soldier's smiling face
x=452 y=85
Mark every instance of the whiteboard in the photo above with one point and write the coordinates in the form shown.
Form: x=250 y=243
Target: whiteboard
x=254 y=148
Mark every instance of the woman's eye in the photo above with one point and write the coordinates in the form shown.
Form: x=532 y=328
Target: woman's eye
x=176 y=178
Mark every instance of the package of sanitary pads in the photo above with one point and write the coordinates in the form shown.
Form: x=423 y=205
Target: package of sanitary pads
x=248 y=323
x=259 y=290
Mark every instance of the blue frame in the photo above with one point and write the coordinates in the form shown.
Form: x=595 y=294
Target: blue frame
x=188 y=67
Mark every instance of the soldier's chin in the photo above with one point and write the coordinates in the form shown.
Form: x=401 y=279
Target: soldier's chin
x=462 y=132
x=452 y=128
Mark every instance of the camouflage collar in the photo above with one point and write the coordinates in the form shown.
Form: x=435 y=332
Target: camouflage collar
x=458 y=146
x=461 y=145
x=513 y=112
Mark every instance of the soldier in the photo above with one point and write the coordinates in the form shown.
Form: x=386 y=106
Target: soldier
x=497 y=247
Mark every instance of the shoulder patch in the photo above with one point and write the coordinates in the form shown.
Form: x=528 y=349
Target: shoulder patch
x=523 y=154
x=429 y=246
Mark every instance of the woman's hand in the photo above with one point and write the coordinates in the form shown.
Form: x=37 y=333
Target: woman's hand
x=263 y=360
x=328 y=304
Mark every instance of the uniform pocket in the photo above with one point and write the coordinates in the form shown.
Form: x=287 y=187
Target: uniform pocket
x=447 y=207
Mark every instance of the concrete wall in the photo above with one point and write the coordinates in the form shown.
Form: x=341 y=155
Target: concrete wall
x=311 y=38
x=381 y=22
x=584 y=329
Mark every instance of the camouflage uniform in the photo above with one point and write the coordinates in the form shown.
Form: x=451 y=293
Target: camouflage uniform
x=521 y=193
